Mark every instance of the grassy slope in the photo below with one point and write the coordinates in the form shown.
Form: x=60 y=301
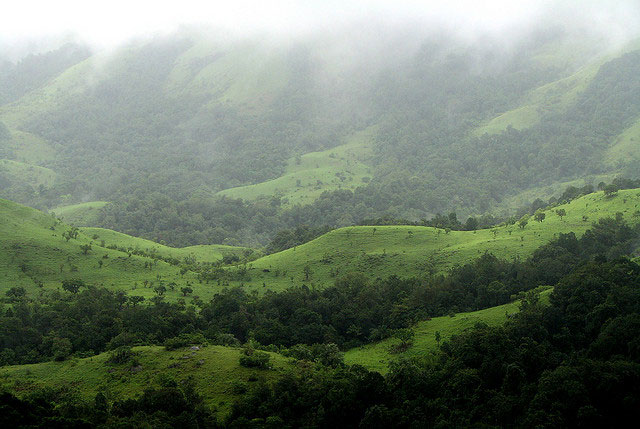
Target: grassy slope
x=215 y=376
x=31 y=252
x=83 y=214
x=202 y=253
x=412 y=250
x=552 y=97
x=305 y=178
x=29 y=174
x=377 y=356
x=237 y=73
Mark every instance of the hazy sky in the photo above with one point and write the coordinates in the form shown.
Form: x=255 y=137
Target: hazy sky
x=110 y=22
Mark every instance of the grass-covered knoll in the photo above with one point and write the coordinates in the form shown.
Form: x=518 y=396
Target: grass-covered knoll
x=415 y=250
x=309 y=175
x=377 y=356
x=200 y=253
x=82 y=214
x=27 y=174
x=35 y=254
x=218 y=376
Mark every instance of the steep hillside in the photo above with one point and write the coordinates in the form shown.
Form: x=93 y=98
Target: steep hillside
x=309 y=175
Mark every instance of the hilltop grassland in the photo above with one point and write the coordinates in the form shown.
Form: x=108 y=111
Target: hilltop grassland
x=405 y=251
x=36 y=254
x=201 y=253
x=378 y=356
x=216 y=371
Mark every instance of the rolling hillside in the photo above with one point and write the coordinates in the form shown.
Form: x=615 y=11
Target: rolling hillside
x=415 y=250
x=215 y=370
x=191 y=118
x=34 y=254
x=378 y=356
x=34 y=251
x=309 y=175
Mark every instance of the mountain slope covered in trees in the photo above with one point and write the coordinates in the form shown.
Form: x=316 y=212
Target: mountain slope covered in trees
x=178 y=122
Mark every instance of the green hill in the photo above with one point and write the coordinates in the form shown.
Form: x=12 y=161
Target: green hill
x=377 y=356
x=309 y=175
x=83 y=214
x=34 y=251
x=415 y=250
x=413 y=129
x=215 y=370
x=34 y=254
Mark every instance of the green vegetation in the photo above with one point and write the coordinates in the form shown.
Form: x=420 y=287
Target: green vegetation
x=200 y=253
x=38 y=252
x=381 y=251
x=83 y=214
x=309 y=175
x=28 y=174
x=215 y=369
x=430 y=334
x=290 y=124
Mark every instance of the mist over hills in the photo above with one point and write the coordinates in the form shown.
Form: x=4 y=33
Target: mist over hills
x=390 y=121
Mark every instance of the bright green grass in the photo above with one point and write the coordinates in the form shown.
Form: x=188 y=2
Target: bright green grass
x=201 y=253
x=31 y=252
x=214 y=376
x=31 y=175
x=306 y=177
x=413 y=250
x=523 y=199
x=83 y=214
x=377 y=356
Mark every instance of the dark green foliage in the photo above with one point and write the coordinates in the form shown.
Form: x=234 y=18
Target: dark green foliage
x=122 y=355
x=72 y=285
x=573 y=364
x=255 y=359
x=164 y=406
x=184 y=340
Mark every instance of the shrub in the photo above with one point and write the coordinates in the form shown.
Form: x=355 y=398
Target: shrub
x=183 y=340
x=255 y=359
x=122 y=355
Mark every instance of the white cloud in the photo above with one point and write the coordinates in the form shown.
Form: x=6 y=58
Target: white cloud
x=111 y=22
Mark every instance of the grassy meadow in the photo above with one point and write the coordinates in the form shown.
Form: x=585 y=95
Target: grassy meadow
x=216 y=371
x=414 y=250
x=35 y=255
x=377 y=356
